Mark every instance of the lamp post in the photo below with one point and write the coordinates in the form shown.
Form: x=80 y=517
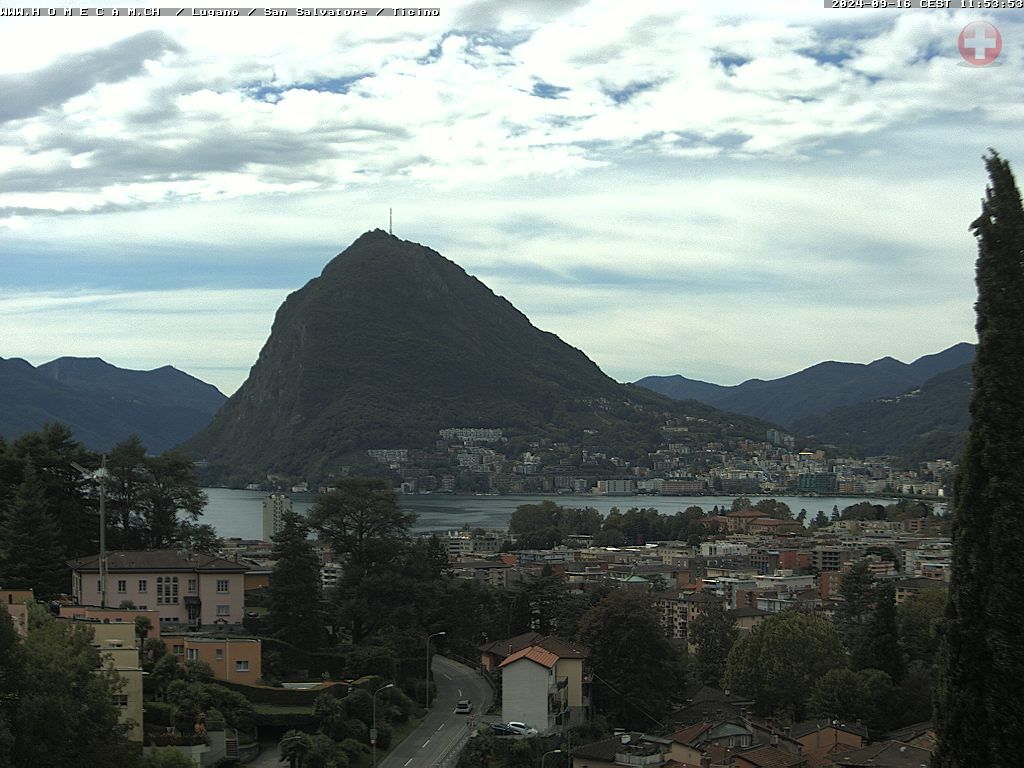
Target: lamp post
x=552 y=752
x=373 y=731
x=427 y=694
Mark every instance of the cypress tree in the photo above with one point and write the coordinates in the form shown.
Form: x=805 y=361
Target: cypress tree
x=979 y=710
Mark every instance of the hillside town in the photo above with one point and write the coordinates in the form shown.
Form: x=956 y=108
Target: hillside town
x=179 y=611
x=475 y=459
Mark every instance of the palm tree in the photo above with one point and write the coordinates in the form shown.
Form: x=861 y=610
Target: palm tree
x=294 y=746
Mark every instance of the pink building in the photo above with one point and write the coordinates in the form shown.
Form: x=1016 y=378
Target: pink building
x=186 y=589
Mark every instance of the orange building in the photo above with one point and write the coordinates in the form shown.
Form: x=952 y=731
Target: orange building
x=234 y=660
x=16 y=601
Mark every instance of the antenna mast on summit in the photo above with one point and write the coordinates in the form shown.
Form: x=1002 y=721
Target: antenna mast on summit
x=391 y=222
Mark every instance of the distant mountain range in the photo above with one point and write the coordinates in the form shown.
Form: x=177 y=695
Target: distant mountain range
x=816 y=390
x=393 y=342
x=930 y=421
x=103 y=404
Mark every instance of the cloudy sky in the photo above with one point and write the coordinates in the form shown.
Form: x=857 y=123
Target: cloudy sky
x=695 y=188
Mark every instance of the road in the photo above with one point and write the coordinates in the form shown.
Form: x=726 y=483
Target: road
x=442 y=728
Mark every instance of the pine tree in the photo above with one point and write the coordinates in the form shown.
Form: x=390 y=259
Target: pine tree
x=979 y=709
x=294 y=593
x=30 y=551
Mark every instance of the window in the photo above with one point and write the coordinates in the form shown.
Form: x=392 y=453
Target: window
x=219 y=653
x=223 y=610
x=193 y=654
x=122 y=586
x=241 y=666
x=120 y=699
x=143 y=607
x=191 y=586
x=159 y=590
x=178 y=650
x=174 y=588
x=222 y=586
x=142 y=585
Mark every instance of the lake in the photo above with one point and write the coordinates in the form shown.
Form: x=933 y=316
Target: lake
x=238 y=514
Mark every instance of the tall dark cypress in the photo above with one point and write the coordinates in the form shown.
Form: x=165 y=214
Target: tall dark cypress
x=980 y=697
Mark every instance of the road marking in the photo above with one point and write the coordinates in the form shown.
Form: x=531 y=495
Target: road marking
x=439 y=727
x=446 y=677
x=460 y=691
x=408 y=761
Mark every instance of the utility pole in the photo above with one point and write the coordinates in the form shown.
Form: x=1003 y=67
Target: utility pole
x=391 y=221
x=101 y=476
x=103 y=531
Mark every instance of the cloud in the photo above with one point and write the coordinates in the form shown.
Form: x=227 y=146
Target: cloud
x=25 y=95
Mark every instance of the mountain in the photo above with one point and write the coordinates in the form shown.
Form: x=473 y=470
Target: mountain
x=926 y=422
x=815 y=390
x=393 y=342
x=103 y=404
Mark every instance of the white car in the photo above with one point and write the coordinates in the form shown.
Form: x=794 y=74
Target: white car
x=521 y=729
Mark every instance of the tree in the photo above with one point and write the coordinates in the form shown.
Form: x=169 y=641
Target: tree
x=330 y=712
x=30 y=550
x=774 y=508
x=65 y=714
x=979 y=711
x=712 y=634
x=879 y=647
x=619 y=630
x=780 y=659
x=919 y=618
x=12 y=673
x=854 y=612
x=364 y=525
x=294 y=746
x=172 y=495
x=294 y=593
x=865 y=696
x=50 y=452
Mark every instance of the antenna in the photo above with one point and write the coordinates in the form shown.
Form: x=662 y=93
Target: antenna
x=391 y=221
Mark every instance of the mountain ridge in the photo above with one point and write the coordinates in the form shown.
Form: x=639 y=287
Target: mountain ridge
x=815 y=390
x=104 y=404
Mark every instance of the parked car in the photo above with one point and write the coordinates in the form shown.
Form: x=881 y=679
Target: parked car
x=501 y=729
x=521 y=729
x=463 y=707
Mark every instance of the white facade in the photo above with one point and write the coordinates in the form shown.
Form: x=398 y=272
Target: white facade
x=274 y=508
x=524 y=693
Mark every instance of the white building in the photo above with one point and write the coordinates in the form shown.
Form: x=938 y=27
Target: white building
x=274 y=508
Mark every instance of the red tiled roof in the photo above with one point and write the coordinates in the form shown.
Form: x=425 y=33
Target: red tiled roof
x=535 y=654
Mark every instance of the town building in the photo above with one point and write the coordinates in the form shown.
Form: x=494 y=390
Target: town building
x=232 y=659
x=193 y=590
x=275 y=506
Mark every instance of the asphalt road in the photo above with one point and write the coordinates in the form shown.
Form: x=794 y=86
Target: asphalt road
x=442 y=728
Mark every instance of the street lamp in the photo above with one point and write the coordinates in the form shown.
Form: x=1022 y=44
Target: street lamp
x=552 y=752
x=373 y=731
x=435 y=634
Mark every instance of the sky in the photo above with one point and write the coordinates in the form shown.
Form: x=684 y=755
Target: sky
x=720 y=190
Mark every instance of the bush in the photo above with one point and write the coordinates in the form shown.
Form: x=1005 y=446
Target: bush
x=157 y=713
